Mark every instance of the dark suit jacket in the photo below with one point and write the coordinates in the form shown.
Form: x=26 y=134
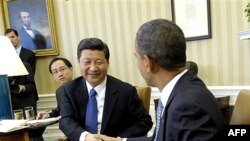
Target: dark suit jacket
x=29 y=96
x=28 y=56
x=27 y=41
x=56 y=112
x=191 y=113
x=123 y=113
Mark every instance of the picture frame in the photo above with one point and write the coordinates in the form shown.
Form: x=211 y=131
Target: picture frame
x=35 y=24
x=193 y=17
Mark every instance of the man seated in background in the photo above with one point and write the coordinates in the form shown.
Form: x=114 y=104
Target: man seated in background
x=62 y=71
x=99 y=103
x=192 y=67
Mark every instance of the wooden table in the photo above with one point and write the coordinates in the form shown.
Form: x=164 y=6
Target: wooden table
x=26 y=133
x=18 y=135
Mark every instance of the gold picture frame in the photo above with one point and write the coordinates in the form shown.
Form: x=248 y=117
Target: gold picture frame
x=41 y=19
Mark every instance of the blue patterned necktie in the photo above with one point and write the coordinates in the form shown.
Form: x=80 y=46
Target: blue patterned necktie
x=91 y=113
x=158 y=118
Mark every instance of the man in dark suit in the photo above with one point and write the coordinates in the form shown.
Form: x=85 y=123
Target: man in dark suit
x=23 y=90
x=187 y=110
x=119 y=111
x=26 y=55
x=62 y=71
x=29 y=37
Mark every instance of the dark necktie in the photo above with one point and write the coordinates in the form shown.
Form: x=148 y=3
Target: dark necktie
x=28 y=28
x=158 y=118
x=91 y=113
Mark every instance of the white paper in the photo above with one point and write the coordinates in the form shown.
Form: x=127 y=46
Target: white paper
x=42 y=122
x=11 y=125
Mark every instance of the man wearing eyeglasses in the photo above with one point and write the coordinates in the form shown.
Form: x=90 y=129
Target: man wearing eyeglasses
x=62 y=71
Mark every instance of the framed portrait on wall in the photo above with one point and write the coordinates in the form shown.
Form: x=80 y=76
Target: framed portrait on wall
x=35 y=24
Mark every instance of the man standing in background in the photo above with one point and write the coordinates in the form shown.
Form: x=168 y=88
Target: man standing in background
x=25 y=54
x=23 y=88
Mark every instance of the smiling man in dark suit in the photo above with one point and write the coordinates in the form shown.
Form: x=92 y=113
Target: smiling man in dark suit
x=119 y=111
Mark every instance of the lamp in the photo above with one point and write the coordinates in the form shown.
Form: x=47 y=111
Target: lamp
x=10 y=65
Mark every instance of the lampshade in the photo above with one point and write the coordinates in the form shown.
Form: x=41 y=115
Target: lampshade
x=10 y=63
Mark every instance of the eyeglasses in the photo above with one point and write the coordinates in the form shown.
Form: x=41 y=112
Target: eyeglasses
x=61 y=70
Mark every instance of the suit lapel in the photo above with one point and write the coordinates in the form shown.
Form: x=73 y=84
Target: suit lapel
x=177 y=87
x=109 y=103
x=161 y=136
x=82 y=97
x=22 y=54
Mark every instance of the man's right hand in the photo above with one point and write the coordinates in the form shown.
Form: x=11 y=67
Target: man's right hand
x=107 y=138
x=92 y=137
x=42 y=115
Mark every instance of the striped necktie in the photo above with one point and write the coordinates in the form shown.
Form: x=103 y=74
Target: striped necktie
x=158 y=118
x=91 y=113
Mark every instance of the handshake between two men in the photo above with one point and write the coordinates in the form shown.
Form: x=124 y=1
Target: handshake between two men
x=100 y=137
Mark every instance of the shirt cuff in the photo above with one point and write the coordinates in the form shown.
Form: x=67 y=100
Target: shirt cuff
x=83 y=135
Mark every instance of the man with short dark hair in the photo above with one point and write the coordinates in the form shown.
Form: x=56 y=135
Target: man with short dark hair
x=23 y=88
x=187 y=110
x=25 y=54
x=62 y=71
x=99 y=103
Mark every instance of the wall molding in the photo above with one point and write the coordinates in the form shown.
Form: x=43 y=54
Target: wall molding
x=48 y=101
x=218 y=91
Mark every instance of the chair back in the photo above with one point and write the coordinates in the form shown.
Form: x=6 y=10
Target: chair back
x=223 y=102
x=144 y=93
x=241 y=111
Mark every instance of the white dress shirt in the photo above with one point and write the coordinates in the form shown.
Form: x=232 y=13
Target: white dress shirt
x=166 y=91
x=29 y=31
x=18 y=50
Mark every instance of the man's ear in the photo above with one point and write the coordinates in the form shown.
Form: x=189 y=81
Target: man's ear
x=148 y=62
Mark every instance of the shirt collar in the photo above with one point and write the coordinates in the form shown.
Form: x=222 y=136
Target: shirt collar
x=98 y=87
x=26 y=28
x=18 y=50
x=166 y=91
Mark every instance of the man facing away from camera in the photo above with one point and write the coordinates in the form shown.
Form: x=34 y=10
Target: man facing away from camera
x=187 y=110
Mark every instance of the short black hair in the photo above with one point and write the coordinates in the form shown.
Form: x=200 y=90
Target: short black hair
x=93 y=44
x=164 y=42
x=10 y=30
x=66 y=61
